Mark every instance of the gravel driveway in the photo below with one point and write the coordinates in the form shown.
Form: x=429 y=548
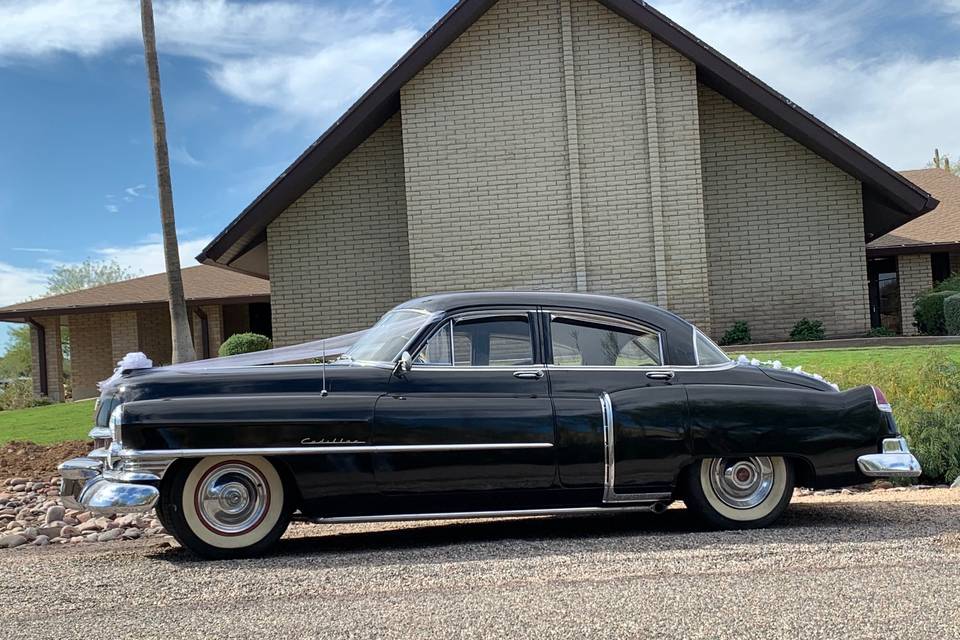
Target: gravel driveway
x=876 y=565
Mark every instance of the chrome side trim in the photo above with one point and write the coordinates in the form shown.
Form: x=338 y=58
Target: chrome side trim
x=610 y=462
x=671 y=367
x=657 y=507
x=166 y=454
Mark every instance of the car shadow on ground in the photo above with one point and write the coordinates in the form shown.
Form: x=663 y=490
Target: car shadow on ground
x=676 y=529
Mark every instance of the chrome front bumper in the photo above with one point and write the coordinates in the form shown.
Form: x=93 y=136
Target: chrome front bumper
x=86 y=485
x=894 y=461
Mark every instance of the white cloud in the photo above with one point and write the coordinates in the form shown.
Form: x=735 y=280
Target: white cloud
x=135 y=191
x=181 y=154
x=298 y=57
x=147 y=257
x=897 y=106
x=19 y=283
x=112 y=208
x=35 y=249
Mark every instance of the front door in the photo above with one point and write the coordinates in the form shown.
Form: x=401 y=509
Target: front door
x=470 y=426
x=621 y=419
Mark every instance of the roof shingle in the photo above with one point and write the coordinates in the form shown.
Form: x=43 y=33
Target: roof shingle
x=939 y=227
x=200 y=284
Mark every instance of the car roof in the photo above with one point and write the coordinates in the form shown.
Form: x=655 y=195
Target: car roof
x=641 y=311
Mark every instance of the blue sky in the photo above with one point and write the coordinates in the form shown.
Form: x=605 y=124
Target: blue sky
x=248 y=85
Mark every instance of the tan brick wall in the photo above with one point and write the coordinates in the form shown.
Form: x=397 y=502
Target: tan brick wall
x=214 y=327
x=91 y=351
x=485 y=153
x=124 y=334
x=54 y=358
x=492 y=199
x=339 y=255
x=153 y=328
x=784 y=229
x=914 y=275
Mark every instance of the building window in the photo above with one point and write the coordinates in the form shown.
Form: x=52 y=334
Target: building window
x=884 y=290
x=940 y=265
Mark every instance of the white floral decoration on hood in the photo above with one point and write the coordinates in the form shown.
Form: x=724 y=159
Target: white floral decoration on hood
x=129 y=362
x=776 y=364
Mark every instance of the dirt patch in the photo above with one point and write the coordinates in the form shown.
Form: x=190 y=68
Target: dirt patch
x=37 y=462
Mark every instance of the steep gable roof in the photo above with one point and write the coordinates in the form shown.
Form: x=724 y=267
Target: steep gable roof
x=938 y=230
x=891 y=198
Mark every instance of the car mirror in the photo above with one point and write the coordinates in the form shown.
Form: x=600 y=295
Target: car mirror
x=405 y=363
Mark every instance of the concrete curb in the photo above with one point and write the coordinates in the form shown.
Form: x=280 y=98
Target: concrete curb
x=846 y=343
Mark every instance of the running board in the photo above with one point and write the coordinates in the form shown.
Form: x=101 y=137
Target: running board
x=655 y=507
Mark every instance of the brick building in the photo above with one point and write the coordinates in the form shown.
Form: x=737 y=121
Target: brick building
x=582 y=145
x=910 y=259
x=107 y=322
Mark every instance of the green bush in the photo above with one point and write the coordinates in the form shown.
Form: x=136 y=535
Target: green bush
x=880 y=332
x=951 y=315
x=19 y=395
x=244 y=343
x=950 y=284
x=928 y=312
x=807 y=330
x=932 y=426
x=739 y=333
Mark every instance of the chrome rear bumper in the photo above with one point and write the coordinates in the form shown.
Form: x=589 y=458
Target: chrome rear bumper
x=85 y=485
x=894 y=461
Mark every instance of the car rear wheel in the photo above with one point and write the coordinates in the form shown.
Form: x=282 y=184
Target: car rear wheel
x=739 y=493
x=225 y=507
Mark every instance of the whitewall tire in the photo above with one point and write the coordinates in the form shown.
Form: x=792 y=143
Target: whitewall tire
x=740 y=493
x=225 y=507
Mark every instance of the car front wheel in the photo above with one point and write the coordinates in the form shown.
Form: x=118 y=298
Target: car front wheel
x=740 y=493
x=225 y=507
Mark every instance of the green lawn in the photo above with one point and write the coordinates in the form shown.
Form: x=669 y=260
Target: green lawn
x=48 y=425
x=840 y=359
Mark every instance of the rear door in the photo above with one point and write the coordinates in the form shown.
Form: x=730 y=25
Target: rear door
x=470 y=426
x=621 y=418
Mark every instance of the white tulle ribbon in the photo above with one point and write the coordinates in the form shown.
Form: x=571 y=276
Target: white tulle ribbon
x=776 y=364
x=129 y=362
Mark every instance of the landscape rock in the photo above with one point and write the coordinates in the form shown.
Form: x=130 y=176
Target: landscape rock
x=55 y=513
x=89 y=525
x=84 y=516
x=12 y=541
x=41 y=541
x=111 y=534
x=69 y=532
x=131 y=534
x=956 y=483
x=50 y=532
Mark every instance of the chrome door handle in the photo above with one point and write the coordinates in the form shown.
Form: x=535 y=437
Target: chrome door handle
x=534 y=374
x=660 y=375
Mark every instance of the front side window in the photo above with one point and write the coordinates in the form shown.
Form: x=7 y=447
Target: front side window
x=585 y=342
x=488 y=341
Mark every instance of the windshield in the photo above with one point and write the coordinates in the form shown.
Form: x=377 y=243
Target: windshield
x=387 y=338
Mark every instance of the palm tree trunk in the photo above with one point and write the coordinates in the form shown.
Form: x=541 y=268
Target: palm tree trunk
x=180 y=325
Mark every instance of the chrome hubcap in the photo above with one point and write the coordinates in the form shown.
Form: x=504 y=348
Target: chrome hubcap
x=741 y=483
x=232 y=498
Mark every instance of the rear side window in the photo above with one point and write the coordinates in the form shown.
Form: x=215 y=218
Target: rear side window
x=707 y=352
x=585 y=342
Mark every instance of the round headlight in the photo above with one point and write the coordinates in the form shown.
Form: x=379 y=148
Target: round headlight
x=116 y=421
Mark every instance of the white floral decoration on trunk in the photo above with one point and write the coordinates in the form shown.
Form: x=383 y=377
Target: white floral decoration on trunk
x=776 y=364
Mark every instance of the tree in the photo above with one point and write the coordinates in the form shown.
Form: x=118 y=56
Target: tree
x=943 y=162
x=15 y=361
x=66 y=278
x=180 y=326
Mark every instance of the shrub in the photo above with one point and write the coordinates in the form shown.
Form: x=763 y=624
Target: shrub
x=244 y=343
x=931 y=423
x=950 y=284
x=951 y=314
x=807 y=330
x=739 y=333
x=880 y=332
x=19 y=395
x=928 y=312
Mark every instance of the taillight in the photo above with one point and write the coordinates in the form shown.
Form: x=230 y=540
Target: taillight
x=882 y=403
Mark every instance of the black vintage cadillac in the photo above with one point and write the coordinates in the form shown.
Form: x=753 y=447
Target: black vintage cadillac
x=480 y=405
